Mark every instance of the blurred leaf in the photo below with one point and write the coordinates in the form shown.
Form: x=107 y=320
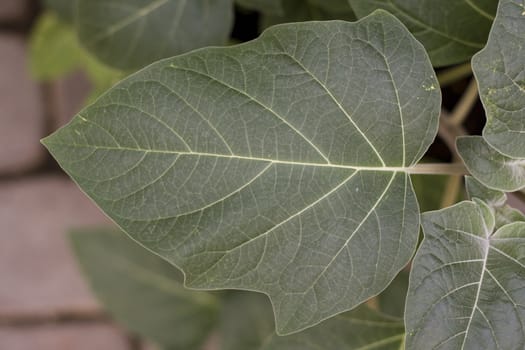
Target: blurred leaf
x=246 y=322
x=274 y=7
x=361 y=328
x=451 y=31
x=65 y=9
x=130 y=34
x=392 y=300
x=143 y=292
x=54 y=49
x=309 y=10
x=55 y=52
x=429 y=190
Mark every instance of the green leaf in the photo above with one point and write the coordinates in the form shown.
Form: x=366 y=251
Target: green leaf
x=65 y=9
x=503 y=213
x=451 y=31
x=54 y=49
x=310 y=10
x=55 y=52
x=500 y=71
x=129 y=34
x=143 y=292
x=490 y=167
x=429 y=190
x=246 y=321
x=279 y=166
x=467 y=284
x=274 y=7
x=392 y=300
x=476 y=189
x=361 y=328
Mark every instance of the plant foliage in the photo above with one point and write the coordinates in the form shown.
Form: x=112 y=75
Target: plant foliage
x=285 y=166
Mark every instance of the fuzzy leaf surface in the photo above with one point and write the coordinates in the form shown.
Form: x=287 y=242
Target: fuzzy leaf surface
x=500 y=71
x=143 y=292
x=467 y=286
x=278 y=166
x=490 y=167
x=129 y=34
x=452 y=31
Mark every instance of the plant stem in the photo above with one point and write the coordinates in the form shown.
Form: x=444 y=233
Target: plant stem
x=456 y=168
x=454 y=74
x=451 y=192
x=464 y=106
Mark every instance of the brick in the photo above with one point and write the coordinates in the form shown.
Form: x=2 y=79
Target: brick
x=69 y=94
x=38 y=273
x=63 y=337
x=13 y=10
x=21 y=112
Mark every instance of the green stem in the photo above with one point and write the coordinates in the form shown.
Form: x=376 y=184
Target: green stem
x=451 y=75
x=465 y=105
x=456 y=168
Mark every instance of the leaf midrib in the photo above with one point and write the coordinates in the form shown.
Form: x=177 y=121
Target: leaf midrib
x=275 y=161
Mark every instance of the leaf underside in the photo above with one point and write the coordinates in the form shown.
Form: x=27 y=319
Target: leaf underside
x=500 y=71
x=467 y=285
x=129 y=34
x=277 y=166
x=452 y=31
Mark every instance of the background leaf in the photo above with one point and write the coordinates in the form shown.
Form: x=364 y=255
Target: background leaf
x=309 y=10
x=500 y=71
x=55 y=52
x=361 y=328
x=465 y=281
x=490 y=167
x=129 y=34
x=65 y=9
x=476 y=189
x=452 y=31
x=274 y=7
x=143 y=292
x=278 y=166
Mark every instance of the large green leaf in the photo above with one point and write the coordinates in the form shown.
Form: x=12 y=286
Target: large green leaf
x=452 y=31
x=130 y=34
x=490 y=167
x=143 y=292
x=500 y=71
x=467 y=286
x=279 y=166
x=359 y=329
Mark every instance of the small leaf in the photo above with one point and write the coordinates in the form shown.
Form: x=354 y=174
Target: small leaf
x=279 y=166
x=500 y=71
x=143 y=292
x=451 y=31
x=361 y=328
x=476 y=189
x=490 y=167
x=467 y=286
x=131 y=34
x=507 y=215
